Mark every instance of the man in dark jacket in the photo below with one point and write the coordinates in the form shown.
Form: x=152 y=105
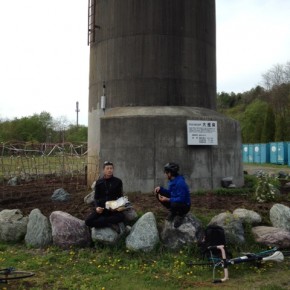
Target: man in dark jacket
x=107 y=188
x=177 y=197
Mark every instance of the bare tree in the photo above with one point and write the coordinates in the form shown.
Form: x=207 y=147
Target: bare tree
x=274 y=76
x=277 y=82
x=287 y=72
x=61 y=124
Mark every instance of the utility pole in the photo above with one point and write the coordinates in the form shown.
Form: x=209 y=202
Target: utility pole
x=77 y=111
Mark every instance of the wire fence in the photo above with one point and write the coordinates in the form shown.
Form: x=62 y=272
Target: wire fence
x=25 y=162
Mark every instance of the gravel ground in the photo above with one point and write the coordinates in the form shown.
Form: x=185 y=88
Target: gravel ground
x=268 y=168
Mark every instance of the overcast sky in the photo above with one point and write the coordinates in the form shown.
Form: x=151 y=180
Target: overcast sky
x=44 y=59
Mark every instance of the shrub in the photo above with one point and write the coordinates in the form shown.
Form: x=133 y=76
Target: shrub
x=265 y=191
x=250 y=181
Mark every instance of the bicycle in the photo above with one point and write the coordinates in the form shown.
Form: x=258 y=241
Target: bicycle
x=270 y=255
x=10 y=273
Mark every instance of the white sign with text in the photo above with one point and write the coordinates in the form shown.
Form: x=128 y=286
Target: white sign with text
x=200 y=132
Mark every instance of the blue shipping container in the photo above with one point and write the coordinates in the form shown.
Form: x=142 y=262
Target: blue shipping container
x=288 y=145
x=273 y=153
x=257 y=153
x=265 y=152
x=251 y=153
x=245 y=153
x=282 y=155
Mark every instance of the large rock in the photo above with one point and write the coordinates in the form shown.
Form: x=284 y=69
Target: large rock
x=60 y=195
x=247 y=216
x=271 y=236
x=13 y=181
x=130 y=215
x=13 y=225
x=232 y=225
x=280 y=216
x=38 y=233
x=186 y=234
x=68 y=230
x=107 y=236
x=89 y=199
x=144 y=234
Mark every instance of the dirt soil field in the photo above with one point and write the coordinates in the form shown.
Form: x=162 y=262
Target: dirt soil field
x=37 y=194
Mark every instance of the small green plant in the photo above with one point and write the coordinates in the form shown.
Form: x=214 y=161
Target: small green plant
x=265 y=190
x=200 y=192
x=250 y=181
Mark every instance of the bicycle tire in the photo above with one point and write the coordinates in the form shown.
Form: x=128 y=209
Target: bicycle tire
x=15 y=275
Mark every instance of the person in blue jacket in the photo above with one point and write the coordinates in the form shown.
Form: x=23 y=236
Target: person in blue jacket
x=177 y=197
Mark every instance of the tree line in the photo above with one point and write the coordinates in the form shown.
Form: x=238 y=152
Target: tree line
x=263 y=112
x=41 y=128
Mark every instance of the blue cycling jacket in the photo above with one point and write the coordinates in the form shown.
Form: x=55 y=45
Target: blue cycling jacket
x=177 y=191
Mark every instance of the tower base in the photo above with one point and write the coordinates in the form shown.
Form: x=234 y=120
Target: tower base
x=140 y=140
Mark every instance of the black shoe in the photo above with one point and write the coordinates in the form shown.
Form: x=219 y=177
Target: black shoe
x=178 y=221
x=115 y=228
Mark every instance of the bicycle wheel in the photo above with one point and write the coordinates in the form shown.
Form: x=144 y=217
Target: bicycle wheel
x=14 y=275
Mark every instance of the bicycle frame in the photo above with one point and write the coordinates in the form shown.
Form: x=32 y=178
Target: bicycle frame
x=277 y=256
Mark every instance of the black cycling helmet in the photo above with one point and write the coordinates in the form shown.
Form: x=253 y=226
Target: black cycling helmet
x=171 y=167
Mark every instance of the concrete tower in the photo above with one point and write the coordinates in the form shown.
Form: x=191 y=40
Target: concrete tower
x=152 y=69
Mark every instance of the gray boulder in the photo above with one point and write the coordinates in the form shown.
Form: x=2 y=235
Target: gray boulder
x=186 y=234
x=130 y=215
x=280 y=216
x=13 y=181
x=13 y=225
x=107 y=236
x=144 y=234
x=68 y=230
x=89 y=199
x=60 y=195
x=38 y=233
x=247 y=216
x=232 y=226
x=271 y=236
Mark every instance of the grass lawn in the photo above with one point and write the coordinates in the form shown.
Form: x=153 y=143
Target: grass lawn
x=117 y=268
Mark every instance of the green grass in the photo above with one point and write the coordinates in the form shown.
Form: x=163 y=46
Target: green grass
x=41 y=165
x=115 y=267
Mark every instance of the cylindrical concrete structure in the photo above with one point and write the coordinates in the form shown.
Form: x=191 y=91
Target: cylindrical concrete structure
x=157 y=59
x=154 y=53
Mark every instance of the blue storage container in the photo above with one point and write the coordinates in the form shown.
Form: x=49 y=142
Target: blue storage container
x=265 y=152
x=273 y=153
x=245 y=153
x=288 y=145
x=282 y=155
x=257 y=153
x=251 y=153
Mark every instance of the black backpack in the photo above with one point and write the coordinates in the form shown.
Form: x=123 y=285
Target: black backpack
x=213 y=236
